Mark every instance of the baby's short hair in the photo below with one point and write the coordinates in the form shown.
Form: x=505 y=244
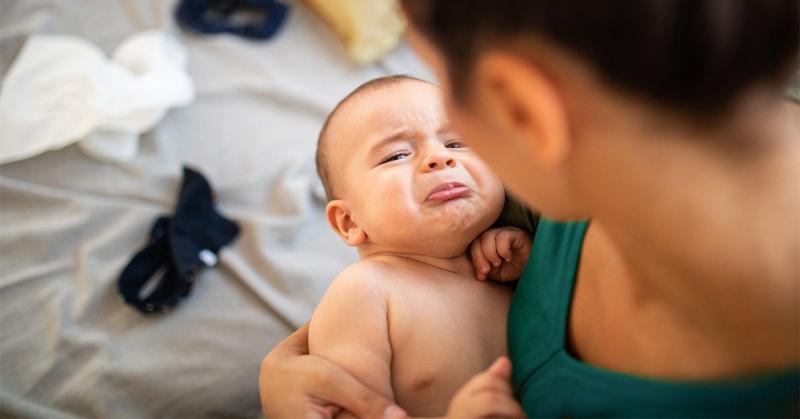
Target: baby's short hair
x=323 y=167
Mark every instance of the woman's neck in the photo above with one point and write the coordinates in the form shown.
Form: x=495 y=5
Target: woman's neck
x=706 y=233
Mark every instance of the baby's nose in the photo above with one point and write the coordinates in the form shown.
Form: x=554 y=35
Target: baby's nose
x=440 y=161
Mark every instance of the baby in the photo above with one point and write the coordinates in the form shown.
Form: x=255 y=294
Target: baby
x=408 y=319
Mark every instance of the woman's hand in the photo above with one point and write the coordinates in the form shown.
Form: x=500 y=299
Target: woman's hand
x=487 y=394
x=500 y=253
x=294 y=384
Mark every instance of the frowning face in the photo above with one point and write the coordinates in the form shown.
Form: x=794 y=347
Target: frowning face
x=410 y=183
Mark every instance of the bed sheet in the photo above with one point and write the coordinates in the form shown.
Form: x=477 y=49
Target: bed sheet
x=68 y=346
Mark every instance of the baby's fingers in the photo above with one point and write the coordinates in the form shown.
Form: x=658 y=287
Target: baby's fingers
x=480 y=263
x=500 y=368
x=503 y=242
x=489 y=249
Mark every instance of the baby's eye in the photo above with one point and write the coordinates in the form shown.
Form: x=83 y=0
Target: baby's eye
x=455 y=144
x=396 y=156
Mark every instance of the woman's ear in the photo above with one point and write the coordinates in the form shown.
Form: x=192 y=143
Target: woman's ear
x=524 y=104
x=341 y=220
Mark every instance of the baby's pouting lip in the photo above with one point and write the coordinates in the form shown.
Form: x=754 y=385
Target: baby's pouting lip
x=447 y=191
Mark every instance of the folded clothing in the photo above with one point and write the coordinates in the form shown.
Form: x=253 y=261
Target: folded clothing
x=62 y=89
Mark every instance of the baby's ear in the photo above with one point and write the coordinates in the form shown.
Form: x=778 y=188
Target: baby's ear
x=341 y=220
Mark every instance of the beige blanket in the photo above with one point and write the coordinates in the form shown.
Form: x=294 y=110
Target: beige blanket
x=68 y=346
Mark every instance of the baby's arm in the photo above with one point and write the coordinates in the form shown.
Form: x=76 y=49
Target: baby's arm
x=500 y=253
x=349 y=328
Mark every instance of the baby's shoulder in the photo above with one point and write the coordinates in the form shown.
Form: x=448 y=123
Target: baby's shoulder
x=367 y=275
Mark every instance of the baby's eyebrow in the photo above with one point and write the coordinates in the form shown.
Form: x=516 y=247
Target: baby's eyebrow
x=445 y=127
x=398 y=135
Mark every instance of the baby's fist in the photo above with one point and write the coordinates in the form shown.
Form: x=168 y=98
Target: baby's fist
x=500 y=253
x=487 y=394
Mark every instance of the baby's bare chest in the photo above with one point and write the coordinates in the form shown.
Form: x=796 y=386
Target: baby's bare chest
x=443 y=332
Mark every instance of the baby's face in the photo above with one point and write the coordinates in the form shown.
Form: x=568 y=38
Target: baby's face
x=410 y=182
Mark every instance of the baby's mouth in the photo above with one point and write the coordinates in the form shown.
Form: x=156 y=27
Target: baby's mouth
x=448 y=191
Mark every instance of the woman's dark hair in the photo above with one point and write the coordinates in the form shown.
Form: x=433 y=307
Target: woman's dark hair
x=695 y=55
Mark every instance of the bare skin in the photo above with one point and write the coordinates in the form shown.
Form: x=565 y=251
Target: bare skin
x=696 y=319
x=689 y=268
x=410 y=320
x=439 y=328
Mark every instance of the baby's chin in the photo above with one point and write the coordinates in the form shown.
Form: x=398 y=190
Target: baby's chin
x=444 y=231
x=466 y=220
x=448 y=240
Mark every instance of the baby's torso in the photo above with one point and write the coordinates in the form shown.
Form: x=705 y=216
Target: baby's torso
x=444 y=328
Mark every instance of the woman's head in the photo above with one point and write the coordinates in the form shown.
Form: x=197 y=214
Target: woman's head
x=696 y=55
x=548 y=72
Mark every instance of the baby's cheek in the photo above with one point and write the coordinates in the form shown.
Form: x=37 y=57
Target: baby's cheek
x=498 y=192
x=393 y=197
x=493 y=196
x=387 y=188
x=490 y=184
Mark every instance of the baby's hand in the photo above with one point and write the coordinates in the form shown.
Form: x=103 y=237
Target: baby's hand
x=500 y=253
x=487 y=394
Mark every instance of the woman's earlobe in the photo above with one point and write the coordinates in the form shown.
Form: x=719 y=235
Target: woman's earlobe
x=526 y=105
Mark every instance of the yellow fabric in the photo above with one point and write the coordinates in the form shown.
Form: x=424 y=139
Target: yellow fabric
x=369 y=29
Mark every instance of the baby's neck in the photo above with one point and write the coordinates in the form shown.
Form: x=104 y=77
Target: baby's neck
x=459 y=264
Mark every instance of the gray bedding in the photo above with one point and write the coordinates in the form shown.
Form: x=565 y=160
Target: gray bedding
x=68 y=346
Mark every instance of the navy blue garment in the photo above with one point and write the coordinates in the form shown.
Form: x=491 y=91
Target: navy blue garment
x=233 y=16
x=180 y=245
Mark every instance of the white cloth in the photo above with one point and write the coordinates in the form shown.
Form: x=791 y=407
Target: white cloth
x=62 y=89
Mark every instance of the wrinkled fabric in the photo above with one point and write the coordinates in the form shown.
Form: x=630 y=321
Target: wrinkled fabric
x=69 y=348
x=62 y=89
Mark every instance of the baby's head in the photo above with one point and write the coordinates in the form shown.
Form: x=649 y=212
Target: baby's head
x=398 y=179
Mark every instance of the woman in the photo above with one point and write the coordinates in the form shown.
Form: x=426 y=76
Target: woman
x=662 y=122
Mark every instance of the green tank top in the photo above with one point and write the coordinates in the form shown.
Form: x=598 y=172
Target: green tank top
x=550 y=382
